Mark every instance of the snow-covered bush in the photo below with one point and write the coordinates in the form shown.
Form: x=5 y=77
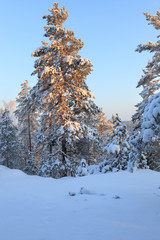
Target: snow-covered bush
x=93 y=169
x=137 y=160
x=52 y=167
x=31 y=167
x=105 y=166
x=82 y=170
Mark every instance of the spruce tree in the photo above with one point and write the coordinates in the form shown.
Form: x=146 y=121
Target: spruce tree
x=150 y=83
x=103 y=129
x=11 y=107
x=10 y=147
x=118 y=147
x=63 y=96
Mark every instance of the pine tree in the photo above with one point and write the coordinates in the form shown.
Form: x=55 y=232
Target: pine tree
x=27 y=124
x=10 y=147
x=63 y=95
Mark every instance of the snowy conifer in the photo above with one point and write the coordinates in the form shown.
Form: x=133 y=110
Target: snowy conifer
x=27 y=122
x=150 y=86
x=104 y=129
x=11 y=107
x=151 y=131
x=150 y=78
x=150 y=83
x=118 y=148
x=64 y=93
x=82 y=169
x=10 y=147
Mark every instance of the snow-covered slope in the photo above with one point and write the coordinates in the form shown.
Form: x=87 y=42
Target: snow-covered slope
x=112 y=206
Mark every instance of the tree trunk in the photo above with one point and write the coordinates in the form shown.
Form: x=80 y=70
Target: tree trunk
x=50 y=127
x=64 y=150
x=29 y=134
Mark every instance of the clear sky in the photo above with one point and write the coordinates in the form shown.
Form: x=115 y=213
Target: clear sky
x=111 y=31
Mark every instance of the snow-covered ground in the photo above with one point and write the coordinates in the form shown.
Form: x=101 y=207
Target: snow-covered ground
x=113 y=206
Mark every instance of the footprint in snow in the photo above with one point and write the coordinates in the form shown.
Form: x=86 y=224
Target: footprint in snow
x=85 y=191
x=72 y=194
x=116 y=197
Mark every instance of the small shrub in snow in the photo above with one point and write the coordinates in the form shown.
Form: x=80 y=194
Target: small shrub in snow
x=105 y=166
x=93 y=169
x=82 y=170
x=31 y=167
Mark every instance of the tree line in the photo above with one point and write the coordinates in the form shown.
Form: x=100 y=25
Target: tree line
x=60 y=131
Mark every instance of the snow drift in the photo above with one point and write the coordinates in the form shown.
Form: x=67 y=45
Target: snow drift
x=121 y=206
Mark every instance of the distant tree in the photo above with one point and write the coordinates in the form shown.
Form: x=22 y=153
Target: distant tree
x=67 y=117
x=27 y=123
x=11 y=107
x=1 y=110
x=10 y=147
x=105 y=129
x=118 y=147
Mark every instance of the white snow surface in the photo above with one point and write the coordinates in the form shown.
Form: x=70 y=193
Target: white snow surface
x=114 y=206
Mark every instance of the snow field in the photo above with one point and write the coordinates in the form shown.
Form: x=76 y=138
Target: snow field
x=113 y=206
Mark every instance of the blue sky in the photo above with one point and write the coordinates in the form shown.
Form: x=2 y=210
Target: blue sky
x=111 y=30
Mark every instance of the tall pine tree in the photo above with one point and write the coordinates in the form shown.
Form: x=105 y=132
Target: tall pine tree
x=63 y=95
